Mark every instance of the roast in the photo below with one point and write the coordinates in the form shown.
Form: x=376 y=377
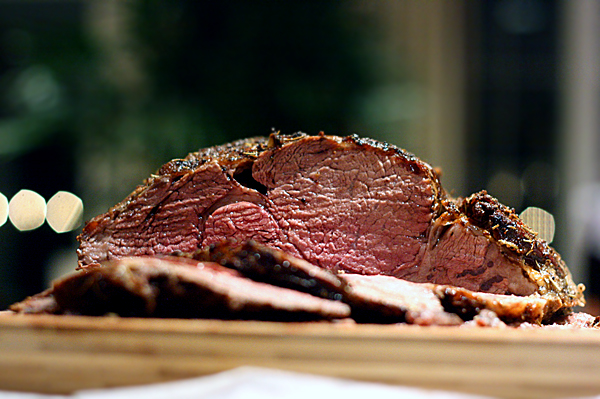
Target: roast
x=359 y=213
x=345 y=204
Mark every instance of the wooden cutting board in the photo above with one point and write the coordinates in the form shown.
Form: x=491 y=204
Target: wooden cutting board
x=63 y=354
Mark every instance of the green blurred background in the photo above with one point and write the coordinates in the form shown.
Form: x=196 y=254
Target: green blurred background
x=96 y=95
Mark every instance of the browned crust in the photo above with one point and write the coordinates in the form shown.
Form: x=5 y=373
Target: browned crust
x=540 y=261
x=509 y=308
x=228 y=155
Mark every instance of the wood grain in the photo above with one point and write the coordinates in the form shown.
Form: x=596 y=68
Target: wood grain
x=63 y=354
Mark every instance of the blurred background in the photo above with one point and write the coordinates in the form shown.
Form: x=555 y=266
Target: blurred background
x=96 y=95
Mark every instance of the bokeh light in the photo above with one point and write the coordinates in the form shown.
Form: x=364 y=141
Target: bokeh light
x=540 y=221
x=3 y=209
x=64 y=212
x=27 y=210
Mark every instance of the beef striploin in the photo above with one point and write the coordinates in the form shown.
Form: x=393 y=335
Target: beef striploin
x=345 y=204
x=165 y=286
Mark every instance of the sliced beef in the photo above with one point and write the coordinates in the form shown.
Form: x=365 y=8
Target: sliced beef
x=341 y=203
x=42 y=303
x=377 y=298
x=509 y=308
x=272 y=266
x=178 y=288
x=394 y=299
x=482 y=245
x=386 y=299
x=349 y=204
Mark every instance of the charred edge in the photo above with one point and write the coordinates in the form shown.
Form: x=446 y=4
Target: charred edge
x=230 y=153
x=264 y=267
x=178 y=166
x=503 y=225
x=414 y=164
x=466 y=308
x=278 y=139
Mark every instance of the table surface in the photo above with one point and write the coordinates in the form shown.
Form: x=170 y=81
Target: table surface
x=64 y=354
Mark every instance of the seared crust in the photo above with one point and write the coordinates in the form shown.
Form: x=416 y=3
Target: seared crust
x=229 y=155
x=509 y=308
x=539 y=261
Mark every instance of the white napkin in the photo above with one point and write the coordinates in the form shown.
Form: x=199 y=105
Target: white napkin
x=255 y=383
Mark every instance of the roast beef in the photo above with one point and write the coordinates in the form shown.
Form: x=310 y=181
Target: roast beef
x=176 y=287
x=344 y=204
x=268 y=265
